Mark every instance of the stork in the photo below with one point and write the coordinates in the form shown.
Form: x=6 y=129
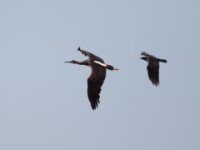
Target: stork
x=97 y=76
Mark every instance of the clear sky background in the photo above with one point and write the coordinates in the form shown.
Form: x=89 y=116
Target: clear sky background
x=43 y=102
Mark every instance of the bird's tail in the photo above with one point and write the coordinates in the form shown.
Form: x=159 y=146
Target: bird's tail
x=163 y=60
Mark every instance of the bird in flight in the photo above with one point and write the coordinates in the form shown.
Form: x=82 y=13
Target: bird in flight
x=153 y=67
x=97 y=76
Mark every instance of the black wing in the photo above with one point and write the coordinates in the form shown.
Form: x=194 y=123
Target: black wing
x=147 y=55
x=153 y=72
x=95 y=82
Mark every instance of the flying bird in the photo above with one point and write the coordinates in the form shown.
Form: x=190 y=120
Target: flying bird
x=97 y=76
x=153 y=67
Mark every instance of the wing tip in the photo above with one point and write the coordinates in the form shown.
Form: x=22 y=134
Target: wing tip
x=94 y=106
x=156 y=84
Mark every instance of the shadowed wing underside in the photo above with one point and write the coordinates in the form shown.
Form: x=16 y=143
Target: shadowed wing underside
x=153 y=72
x=95 y=81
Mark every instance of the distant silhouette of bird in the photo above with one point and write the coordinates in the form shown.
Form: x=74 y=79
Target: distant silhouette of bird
x=153 y=67
x=97 y=77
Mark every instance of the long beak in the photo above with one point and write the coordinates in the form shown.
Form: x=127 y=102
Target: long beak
x=143 y=58
x=115 y=69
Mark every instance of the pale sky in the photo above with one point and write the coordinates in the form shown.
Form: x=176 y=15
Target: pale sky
x=43 y=102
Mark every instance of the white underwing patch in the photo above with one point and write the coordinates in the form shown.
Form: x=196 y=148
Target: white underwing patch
x=100 y=63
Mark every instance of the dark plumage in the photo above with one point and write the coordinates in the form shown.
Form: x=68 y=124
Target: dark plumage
x=153 y=67
x=97 y=77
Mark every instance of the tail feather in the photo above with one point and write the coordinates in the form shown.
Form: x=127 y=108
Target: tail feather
x=163 y=60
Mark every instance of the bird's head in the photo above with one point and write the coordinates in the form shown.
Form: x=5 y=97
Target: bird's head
x=144 y=58
x=111 y=67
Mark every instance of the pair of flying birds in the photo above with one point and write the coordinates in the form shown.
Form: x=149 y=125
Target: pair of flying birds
x=97 y=77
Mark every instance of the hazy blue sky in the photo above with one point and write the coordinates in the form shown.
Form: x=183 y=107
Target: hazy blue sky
x=43 y=102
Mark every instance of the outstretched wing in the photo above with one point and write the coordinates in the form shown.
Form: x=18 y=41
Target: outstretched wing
x=95 y=82
x=153 y=72
x=86 y=53
x=147 y=55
